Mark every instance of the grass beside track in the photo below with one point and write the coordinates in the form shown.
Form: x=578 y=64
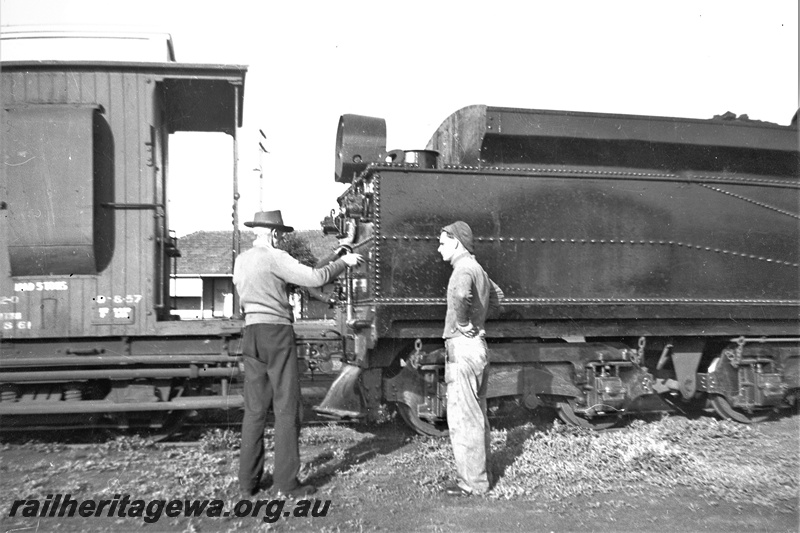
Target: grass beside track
x=723 y=462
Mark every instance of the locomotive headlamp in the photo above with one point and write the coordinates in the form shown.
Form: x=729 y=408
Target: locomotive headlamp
x=360 y=140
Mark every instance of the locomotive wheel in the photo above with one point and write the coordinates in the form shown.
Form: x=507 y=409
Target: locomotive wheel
x=566 y=412
x=423 y=427
x=724 y=409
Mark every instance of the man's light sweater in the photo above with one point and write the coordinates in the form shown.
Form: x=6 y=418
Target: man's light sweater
x=261 y=275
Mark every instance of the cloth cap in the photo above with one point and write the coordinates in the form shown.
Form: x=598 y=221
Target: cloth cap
x=269 y=219
x=461 y=231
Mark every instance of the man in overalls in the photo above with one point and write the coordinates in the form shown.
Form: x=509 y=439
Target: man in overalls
x=470 y=293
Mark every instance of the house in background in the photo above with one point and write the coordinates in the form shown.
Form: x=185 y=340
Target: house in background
x=201 y=284
x=202 y=277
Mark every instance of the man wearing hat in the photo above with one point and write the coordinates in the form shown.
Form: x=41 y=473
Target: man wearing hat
x=470 y=294
x=261 y=275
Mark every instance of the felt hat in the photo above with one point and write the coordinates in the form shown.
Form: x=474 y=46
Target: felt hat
x=269 y=219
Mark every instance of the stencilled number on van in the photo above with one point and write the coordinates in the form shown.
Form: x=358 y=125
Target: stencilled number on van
x=30 y=286
x=20 y=324
x=115 y=309
x=12 y=319
x=118 y=299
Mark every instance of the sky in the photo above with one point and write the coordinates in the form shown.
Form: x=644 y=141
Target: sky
x=414 y=63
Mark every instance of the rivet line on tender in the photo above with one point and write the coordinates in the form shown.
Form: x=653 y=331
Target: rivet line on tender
x=619 y=173
x=750 y=200
x=376 y=187
x=648 y=301
x=639 y=242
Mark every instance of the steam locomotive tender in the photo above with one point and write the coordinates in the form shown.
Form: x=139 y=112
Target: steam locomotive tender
x=648 y=263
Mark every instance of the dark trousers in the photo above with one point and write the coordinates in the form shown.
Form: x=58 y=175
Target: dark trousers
x=271 y=377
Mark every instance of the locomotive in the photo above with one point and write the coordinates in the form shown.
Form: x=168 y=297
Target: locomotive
x=647 y=262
